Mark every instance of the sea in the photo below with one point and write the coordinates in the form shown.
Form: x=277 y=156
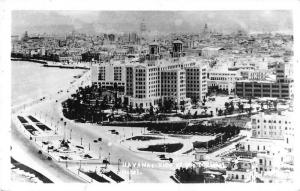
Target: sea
x=30 y=80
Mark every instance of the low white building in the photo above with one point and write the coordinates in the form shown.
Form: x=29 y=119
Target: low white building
x=223 y=79
x=241 y=170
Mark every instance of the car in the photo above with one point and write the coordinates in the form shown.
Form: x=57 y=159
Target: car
x=161 y=156
x=105 y=161
x=95 y=141
x=99 y=139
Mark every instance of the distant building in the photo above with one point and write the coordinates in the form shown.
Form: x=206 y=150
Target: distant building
x=209 y=52
x=275 y=126
x=223 y=79
x=264 y=89
x=14 y=38
x=241 y=170
x=282 y=88
x=108 y=75
x=272 y=140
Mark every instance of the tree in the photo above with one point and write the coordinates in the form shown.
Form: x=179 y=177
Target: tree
x=160 y=107
x=220 y=112
x=250 y=103
x=275 y=104
x=195 y=114
x=194 y=100
x=262 y=105
x=176 y=107
x=204 y=101
x=151 y=111
x=141 y=110
x=136 y=107
x=182 y=109
x=226 y=106
x=231 y=107
x=189 y=114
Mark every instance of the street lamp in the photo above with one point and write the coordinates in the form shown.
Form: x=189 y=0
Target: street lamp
x=119 y=161
x=100 y=152
x=70 y=134
x=129 y=170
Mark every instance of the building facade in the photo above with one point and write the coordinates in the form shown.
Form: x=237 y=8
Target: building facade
x=264 y=89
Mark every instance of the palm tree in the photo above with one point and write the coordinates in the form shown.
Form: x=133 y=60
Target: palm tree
x=226 y=106
x=275 y=104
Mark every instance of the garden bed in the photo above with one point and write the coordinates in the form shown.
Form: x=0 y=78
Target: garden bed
x=22 y=119
x=169 y=148
x=114 y=176
x=143 y=138
x=33 y=119
x=95 y=176
x=30 y=129
x=43 y=127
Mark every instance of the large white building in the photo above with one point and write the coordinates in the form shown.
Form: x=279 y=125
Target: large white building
x=156 y=80
x=152 y=82
x=272 y=139
x=108 y=74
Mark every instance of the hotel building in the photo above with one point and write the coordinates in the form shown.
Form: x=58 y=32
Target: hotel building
x=177 y=78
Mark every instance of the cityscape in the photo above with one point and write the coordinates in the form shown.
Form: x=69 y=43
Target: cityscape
x=152 y=97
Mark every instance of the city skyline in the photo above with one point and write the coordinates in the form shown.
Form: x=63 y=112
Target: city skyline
x=157 y=22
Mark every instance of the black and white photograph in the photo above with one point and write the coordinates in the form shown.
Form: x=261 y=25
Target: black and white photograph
x=152 y=96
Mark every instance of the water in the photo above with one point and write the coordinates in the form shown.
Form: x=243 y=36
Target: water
x=31 y=80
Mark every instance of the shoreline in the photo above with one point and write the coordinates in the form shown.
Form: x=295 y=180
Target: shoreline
x=46 y=63
x=21 y=166
x=29 y=60
x=27 y=104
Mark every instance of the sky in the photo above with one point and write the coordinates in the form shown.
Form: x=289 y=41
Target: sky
x=93 y=22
